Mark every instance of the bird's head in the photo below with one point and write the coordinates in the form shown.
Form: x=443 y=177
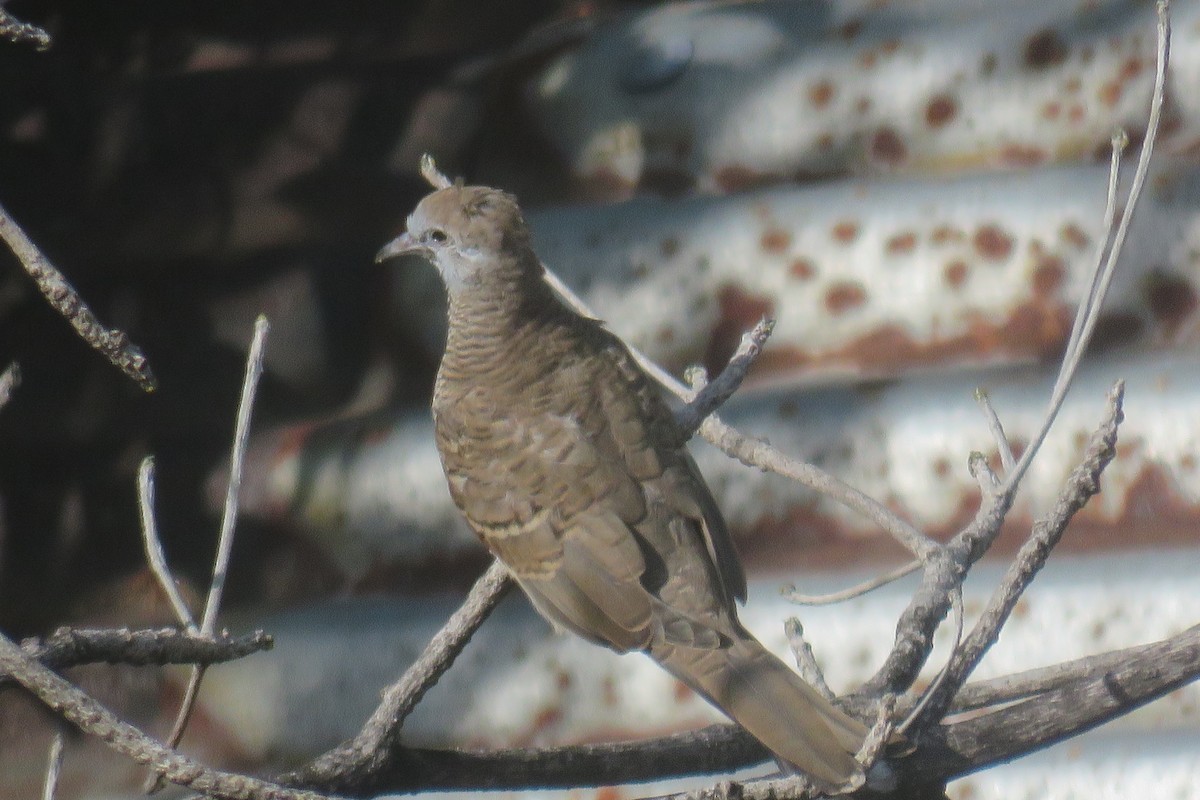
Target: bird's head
x=468 y=232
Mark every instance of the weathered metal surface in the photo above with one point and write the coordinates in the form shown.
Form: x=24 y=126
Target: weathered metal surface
x=869 y=278
x=719 y=96
x=371 y=496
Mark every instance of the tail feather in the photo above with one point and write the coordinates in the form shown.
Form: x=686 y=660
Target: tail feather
x=772 y=702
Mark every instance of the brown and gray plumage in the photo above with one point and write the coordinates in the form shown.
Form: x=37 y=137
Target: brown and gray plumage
x=564 y=459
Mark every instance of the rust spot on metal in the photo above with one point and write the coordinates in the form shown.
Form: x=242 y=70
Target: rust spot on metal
x=841 y=297
x=868 y=58
x=1049 y=276
x=683 y=692
x=547 y=718
x=1052 y=110
x=1045 y=49
x=945 y=234
x=888 y=147
x=862 y=105
x=987 y=64
x=609 y=793
x=608 y=691
x=956 y=273
x=992 y=243
x=735 y=178
x=1076 y=114
x=1072 y=85
x=669 y=246
x=1074 y=235
x=940 y=110
x=1021 y=155
x=562 y=679
x=889 y=46
x=820 y=93
x=1172 y=299
x=901 y=243
x=1110 y=93
x=665 y=335
x=845 y=231
x=775 y=240
x=802 y=269
x=851 y=28
x=941 y=467
x=825 y=141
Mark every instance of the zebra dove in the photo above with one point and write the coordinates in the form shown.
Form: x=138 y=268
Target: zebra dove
x=564 y=459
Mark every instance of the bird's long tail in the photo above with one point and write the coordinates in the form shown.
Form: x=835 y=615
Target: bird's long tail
x=773 y=703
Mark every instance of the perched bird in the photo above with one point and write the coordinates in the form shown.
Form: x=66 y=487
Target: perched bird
x=565 y=460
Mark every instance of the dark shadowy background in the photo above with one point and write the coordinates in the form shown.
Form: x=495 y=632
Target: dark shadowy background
x=185 y=165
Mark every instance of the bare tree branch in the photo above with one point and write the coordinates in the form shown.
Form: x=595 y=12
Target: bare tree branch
x=712 y=395
x=70 y=647
x=78 y=708
x=155 y=556
x=53 y=767
x=1082 y=485
x=114 y=344
x=374 y=748
x=237 y=457
x=914 y=631
x=19 y=32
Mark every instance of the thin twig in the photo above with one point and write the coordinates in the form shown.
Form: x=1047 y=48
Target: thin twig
x=1006 y=454
x=1083 y=484
x=759 y=454
x=880 y=733
x=927 y=697
x=810 y=670
x=714 y=394
x=369 y=751
x=154 y=549
x=919 y=621
x=78 y=708
x=10 y=379
x=18 y=32
x=70 y=647
x=792 y=594
x=237 y=458
x=1089 y=312
x=112 y=343
x=53 y=767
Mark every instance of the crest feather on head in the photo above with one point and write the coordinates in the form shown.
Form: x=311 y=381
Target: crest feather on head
x=431 y=173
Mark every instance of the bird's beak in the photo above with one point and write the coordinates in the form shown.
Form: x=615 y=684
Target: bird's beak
x=402 y=244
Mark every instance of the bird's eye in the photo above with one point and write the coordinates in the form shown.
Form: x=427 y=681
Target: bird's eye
x=437 y=235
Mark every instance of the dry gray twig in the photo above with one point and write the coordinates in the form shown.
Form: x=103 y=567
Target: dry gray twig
x=796 y=596
x=19 y=32
x=155 y=556
x=353 y=762
x=919 y=621
x=53 y=767
x=237 y=458
x=1081 y=486
x=112 y=343
x=806 y=661
x=69 y=647
x=712 y=395
x=78 y=708
x=10 y=379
